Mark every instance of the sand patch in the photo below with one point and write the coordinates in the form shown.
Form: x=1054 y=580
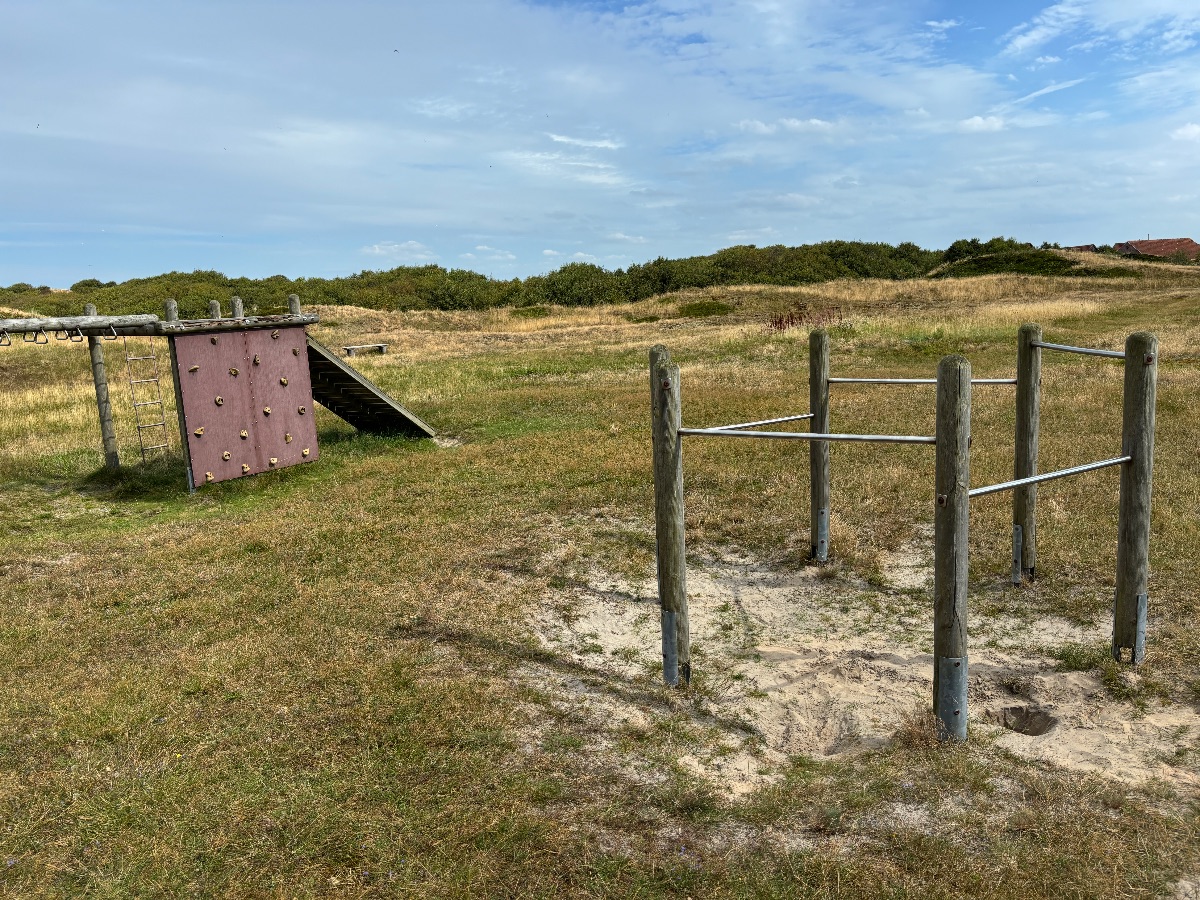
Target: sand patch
x=798 y=663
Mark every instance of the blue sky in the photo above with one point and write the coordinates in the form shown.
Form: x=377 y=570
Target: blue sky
x=321 y=139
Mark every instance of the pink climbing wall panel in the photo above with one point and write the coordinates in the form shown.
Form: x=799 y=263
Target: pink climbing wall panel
x=247 y=401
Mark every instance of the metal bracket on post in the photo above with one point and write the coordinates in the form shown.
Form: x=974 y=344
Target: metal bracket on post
x=821 y=544
x=952 y=697
x=1016 y=548
x=670 y=647
x=1138 y=651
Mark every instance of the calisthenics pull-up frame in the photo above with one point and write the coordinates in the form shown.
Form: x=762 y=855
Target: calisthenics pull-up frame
x=952 y=498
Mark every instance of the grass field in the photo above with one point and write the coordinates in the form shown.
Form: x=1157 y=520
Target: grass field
x=398 y=671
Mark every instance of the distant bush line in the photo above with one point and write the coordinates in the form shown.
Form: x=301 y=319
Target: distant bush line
x=575 y=284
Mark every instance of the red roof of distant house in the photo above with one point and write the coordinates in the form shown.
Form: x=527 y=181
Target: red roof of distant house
x=1084 y=248
x=1164 y=247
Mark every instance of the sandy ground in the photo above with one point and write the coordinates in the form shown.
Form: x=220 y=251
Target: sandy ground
x=799 y=663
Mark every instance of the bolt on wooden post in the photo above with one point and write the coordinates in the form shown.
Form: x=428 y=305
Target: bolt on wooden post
x=1025 y=459
x=951 y=532
x=108 y=434
x=668 y=518
x=1133 y=526
x=818 y=451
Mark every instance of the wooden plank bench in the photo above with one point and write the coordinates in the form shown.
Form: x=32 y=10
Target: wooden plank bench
x=358 y=348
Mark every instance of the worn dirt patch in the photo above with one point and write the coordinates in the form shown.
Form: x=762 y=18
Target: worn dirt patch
x=800 y=663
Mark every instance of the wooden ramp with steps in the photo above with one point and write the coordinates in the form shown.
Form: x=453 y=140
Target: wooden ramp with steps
x=349 y=395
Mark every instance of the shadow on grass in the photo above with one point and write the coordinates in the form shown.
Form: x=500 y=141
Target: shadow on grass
x=618 y=688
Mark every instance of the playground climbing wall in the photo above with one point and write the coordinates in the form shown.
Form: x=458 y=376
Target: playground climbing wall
x=247 y=404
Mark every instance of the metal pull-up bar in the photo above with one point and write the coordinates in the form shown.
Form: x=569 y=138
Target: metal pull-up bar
x=1047 y=476
x=915 y=380
x=1086 y=351
x=813 y=436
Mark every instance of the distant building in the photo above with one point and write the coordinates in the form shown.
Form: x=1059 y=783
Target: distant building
x=1165 y=247
x=1083 y=248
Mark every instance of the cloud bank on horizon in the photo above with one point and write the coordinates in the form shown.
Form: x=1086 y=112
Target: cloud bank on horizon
x=513 y=136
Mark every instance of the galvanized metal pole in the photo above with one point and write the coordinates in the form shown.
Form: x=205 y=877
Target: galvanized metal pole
x=951 y=532
x=108 y=434
x=294 y=304
x=818 y=451
x=1028 y=424
x=1133 y=529
x=668 y=518
x=236 y=309
x=214 y=309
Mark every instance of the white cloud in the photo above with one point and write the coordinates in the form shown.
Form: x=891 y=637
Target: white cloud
x=580 y=142
x=583 y=257
x=491 y=253
x=1052 y=22
x=632 y=239
x=981 y=123
x=409 y=251
x=1050 y=89
x=1048 y=60
x=943 y=24
x=755 y=126
x=551 y=253
x=1188 y=132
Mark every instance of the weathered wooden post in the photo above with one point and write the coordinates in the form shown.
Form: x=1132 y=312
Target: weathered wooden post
x=236 y=309
x=294 y=304
x=1133 y=527
x=818 y=451
x=171 y=314
x=668 y=518
x=108 y=434
x=951 y=532
x=1029 y=378
x=214 y=309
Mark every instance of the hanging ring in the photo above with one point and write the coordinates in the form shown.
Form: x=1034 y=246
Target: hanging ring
x=77 y=337
x=41 y=333
x=113 y=335
x=5 y=340
x=60 y=334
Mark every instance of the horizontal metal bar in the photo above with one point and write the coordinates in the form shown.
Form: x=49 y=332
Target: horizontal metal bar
x=764 y=422
x=915 y=381
x=136 y=358
x=1086 y=351
x=154 y=425
x=811 y=436
x=1048 y=476
x=144 y=381
x=155 y=447
x=149 y=403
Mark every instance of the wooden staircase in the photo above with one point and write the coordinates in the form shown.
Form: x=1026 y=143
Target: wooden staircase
x=349 y=395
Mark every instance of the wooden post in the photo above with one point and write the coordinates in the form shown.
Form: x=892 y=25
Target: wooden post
x=236 y=309
x=1133 y=528
x=171 y=314
x=951 y=532
x=818 y=451
x=108 y=434
x=294 y=304
x=668 y=518
x=1028 y=424
x=214 y=309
